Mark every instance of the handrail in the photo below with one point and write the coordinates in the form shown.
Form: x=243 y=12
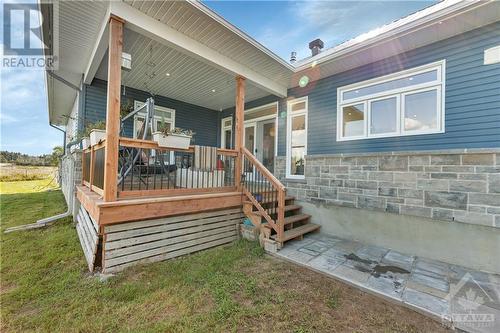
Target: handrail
x=261 y=189
x=262 y=168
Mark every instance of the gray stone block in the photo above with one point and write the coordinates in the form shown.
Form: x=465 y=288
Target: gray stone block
x=381 y=175
x=433 y=168
x=414 y=202
x=328 y=193
x=388 y=191
x=486 y=169
x=493 y=210
x=392 y=208
x=312 y=193
x=405 y=177
x=420 y=160
x=453 y=200
x=349 y=183
x=442 y=214
x=432 y=184
x=410 y=193
x=494 y=183
x=484 y=199
x=332 y=160
x=478 y=159
x=338 y=169
x=393 y=163
x=416 y=211
x=458 y=168
x=477 y=209
x=336 y=183
x=473 y=218
x=370 y=185
x=369 y=168
x=312 y=171
x=443 y=175
x=347 y=197
x=358 y=175
x=374 y=203
x=368 y=160
x=398 y=259
x=467 y=186
x=445 y=159
x=348 y=161
x=472 y=176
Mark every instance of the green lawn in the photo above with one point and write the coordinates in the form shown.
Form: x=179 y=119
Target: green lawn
x=45 y=287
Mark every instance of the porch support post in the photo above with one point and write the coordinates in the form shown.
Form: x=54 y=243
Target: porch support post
x=238 y=128
x=113 y=108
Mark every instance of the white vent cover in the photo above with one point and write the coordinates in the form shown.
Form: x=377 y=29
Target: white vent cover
x=492 y=55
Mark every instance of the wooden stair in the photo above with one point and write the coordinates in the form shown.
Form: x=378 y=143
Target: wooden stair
x=296 y=223
x=274 y=214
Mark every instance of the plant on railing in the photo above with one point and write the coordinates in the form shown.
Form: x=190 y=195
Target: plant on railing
x=92 y=134
x=126 y=108
x=172 y=137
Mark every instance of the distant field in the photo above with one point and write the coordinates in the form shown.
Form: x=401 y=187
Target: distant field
x=11 y=173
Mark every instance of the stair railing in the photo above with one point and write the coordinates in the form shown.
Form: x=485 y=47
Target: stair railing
x=261 y=187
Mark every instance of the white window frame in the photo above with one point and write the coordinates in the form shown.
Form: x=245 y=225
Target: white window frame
x=224 y=129
x=275 y=117
x=289 y=116
x=438 y=85
x=138 y=104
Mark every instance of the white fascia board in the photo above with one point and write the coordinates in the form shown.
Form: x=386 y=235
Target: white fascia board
x=99 y=50
x=151 y=28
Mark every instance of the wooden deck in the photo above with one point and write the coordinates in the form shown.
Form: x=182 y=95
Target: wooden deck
x=117 y=234
x=145 y=208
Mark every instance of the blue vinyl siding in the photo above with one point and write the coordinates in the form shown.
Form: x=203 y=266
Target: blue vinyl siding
x=472 y=99
x=204 y=122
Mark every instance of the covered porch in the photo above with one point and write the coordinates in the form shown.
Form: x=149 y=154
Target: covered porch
x=142 y=202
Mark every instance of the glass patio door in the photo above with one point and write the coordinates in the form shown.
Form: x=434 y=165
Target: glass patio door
x=249 y=142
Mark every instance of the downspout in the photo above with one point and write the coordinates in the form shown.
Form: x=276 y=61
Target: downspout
x=44 y=222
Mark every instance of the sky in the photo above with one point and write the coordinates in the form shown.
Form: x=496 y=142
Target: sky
x=281 y=26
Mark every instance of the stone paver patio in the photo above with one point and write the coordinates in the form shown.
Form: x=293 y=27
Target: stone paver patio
x=467 y=299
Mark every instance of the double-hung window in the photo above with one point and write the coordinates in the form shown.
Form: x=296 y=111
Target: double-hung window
x=296 y=138
x=405 y=103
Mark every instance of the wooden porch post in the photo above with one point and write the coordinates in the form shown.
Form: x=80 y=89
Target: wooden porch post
x=113 y=108
x=238 y=128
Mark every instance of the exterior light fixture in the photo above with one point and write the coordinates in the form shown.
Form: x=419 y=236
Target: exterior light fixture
x=304 y=80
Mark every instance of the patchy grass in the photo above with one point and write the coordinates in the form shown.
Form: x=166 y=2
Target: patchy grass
x=13 y=173
x=45 y=287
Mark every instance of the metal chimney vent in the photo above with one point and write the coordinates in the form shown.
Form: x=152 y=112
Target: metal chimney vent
x=315 y=46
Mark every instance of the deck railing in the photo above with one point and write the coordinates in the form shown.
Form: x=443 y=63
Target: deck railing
x=265 y=192
x=145 y=169
x=93 y=167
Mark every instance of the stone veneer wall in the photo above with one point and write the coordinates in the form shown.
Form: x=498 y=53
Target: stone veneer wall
x=462 y=186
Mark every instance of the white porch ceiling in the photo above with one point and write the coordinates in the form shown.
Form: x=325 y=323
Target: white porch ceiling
x=189 y=80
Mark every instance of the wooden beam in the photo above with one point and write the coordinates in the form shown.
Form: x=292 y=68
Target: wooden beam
x=113 y=108
x=238 y=128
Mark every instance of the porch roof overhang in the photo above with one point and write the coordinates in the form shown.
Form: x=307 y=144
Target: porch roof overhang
x=204 y=64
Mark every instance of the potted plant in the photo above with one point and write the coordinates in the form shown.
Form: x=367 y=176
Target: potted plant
x=172 y=137
x=97 y=132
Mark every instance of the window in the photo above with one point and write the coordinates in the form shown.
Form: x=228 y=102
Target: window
x=162 y=114
x=405 y=103
x=296 y=138
x=227 y=133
